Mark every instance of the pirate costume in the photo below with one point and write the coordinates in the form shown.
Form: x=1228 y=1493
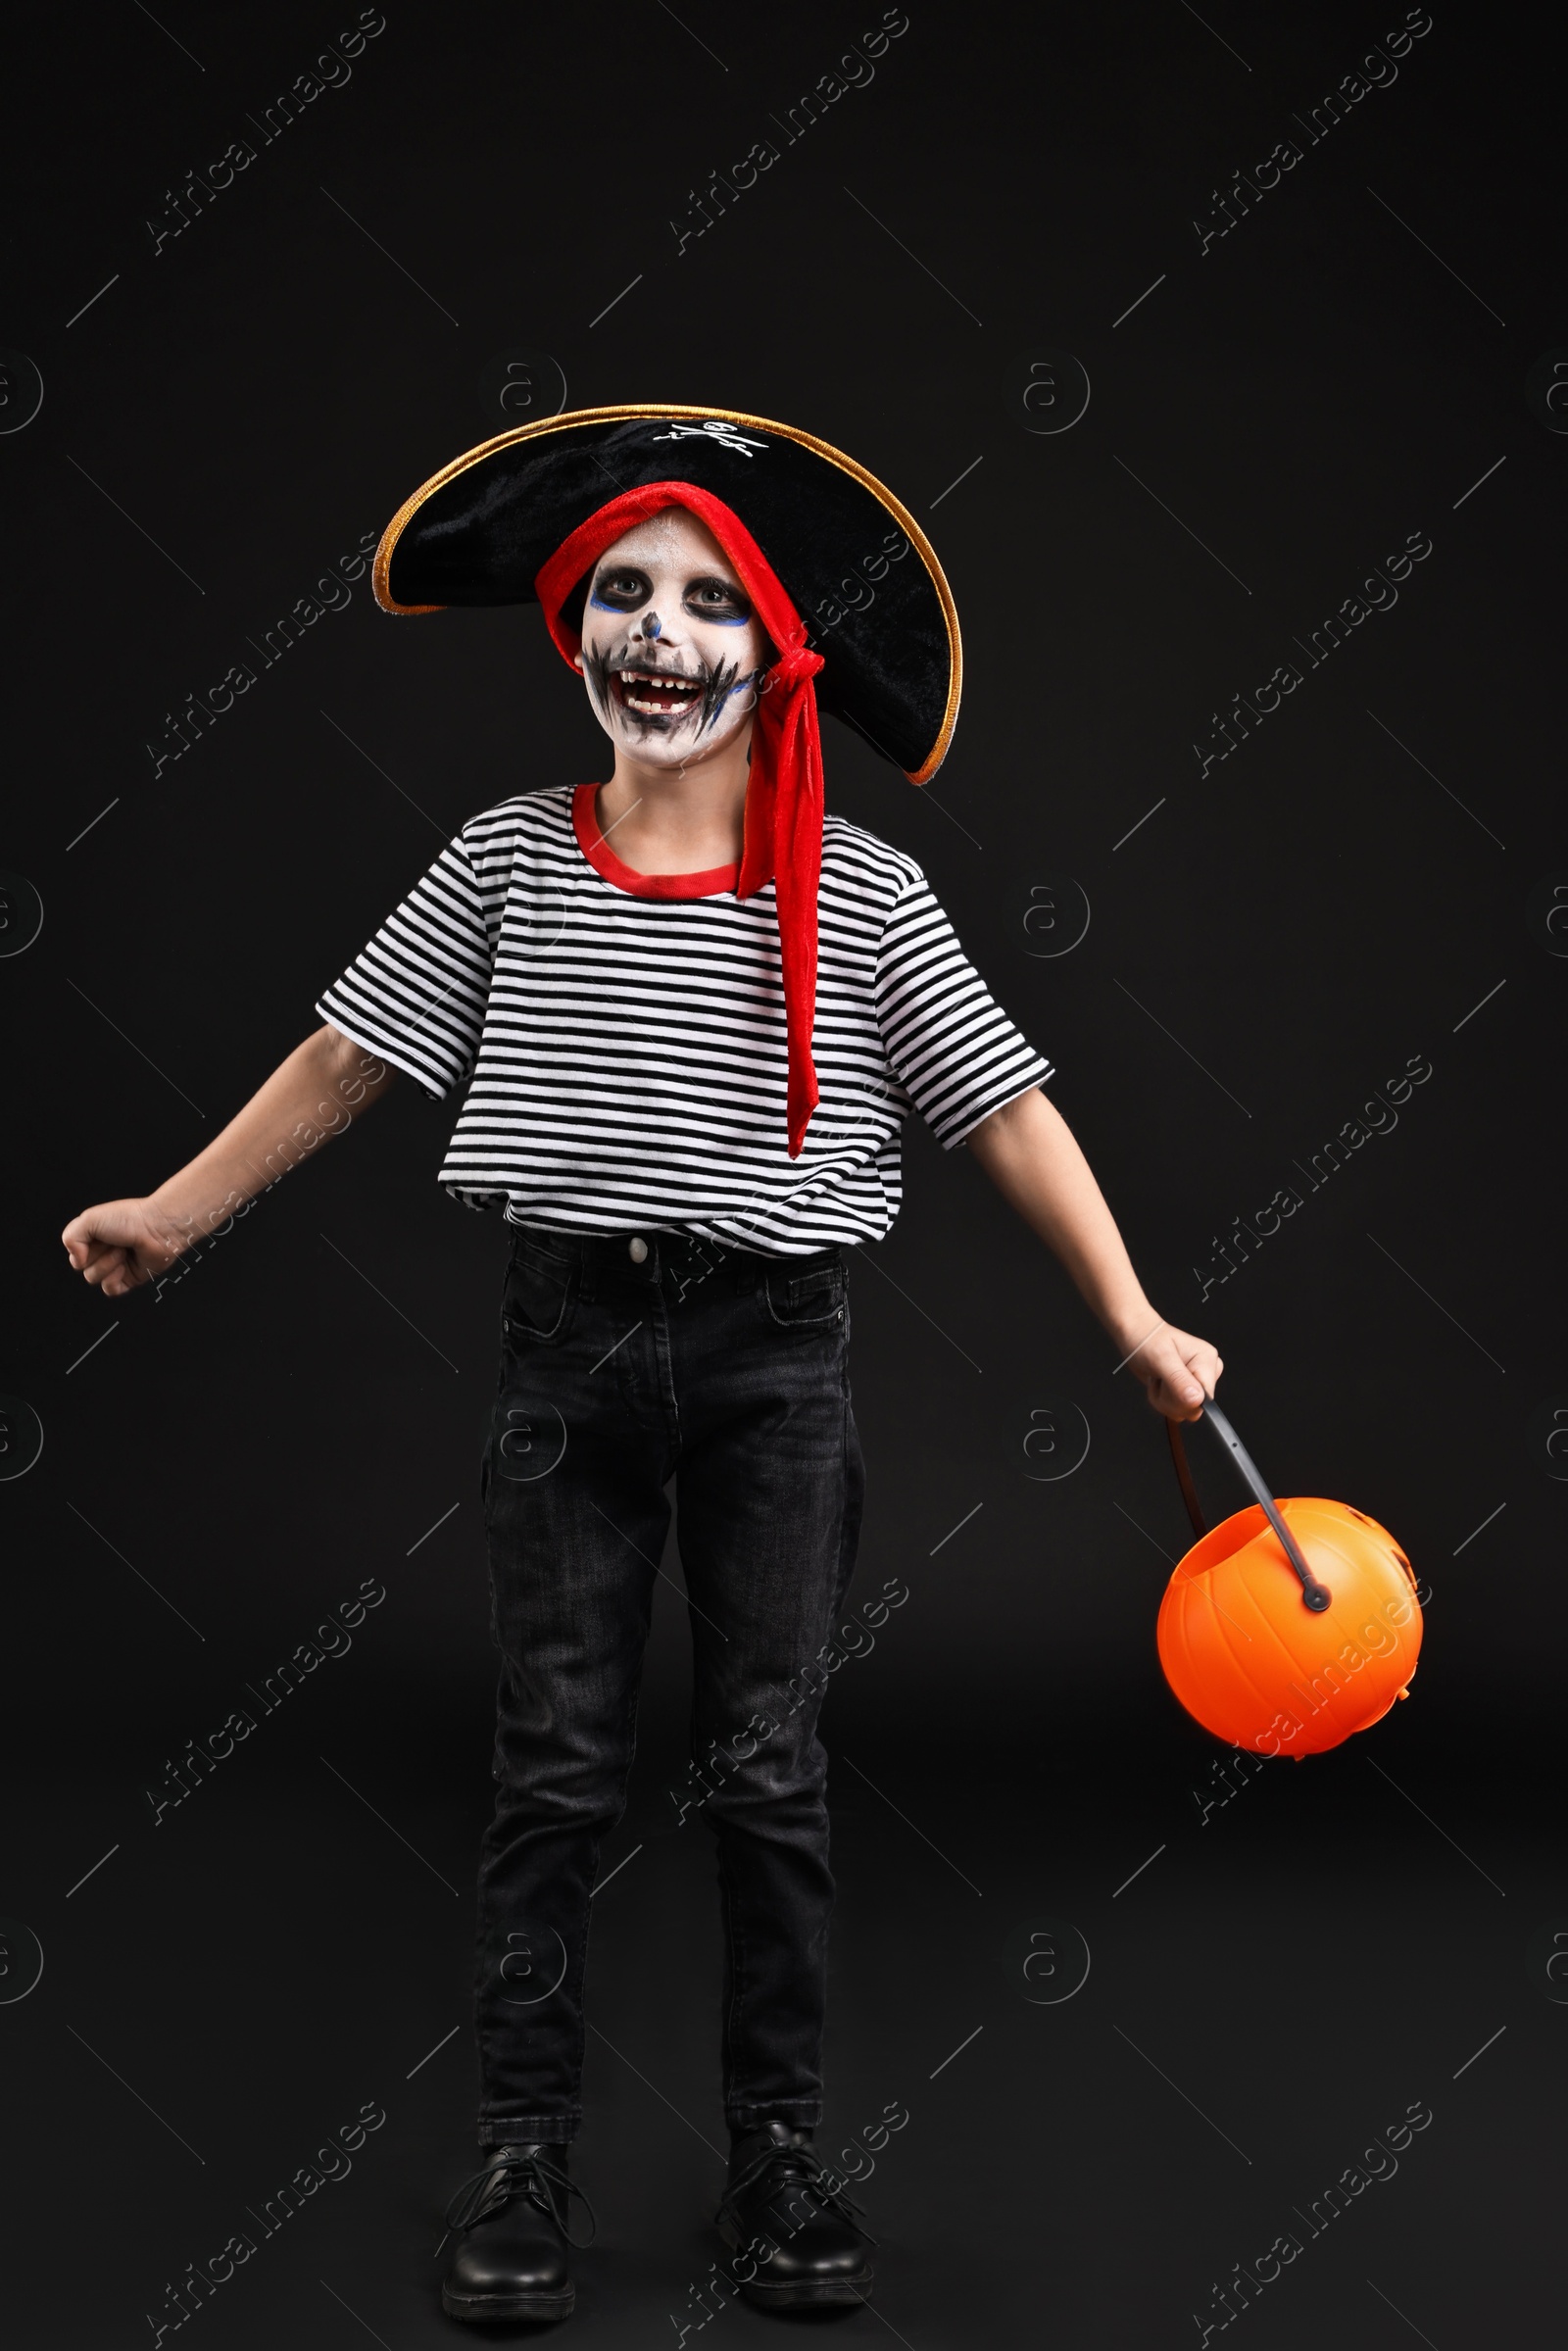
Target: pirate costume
x=685 y=1092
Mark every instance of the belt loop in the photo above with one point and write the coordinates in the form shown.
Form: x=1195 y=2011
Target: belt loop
x=586 y=1254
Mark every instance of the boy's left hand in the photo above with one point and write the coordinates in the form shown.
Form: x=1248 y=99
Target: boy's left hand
x=1178 y=1371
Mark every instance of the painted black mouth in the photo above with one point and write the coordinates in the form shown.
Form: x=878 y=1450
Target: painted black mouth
x=656 y=699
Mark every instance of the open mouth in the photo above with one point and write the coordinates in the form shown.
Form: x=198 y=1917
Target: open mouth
x=656 y=694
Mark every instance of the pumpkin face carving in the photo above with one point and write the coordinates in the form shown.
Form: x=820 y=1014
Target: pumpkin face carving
x=1250 y=1663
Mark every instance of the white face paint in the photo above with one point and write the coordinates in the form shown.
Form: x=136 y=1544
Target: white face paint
x=672 y=655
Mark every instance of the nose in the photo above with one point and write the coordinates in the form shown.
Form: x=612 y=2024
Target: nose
x=651 y=625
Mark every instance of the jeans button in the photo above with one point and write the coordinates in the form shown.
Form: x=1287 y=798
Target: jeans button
x=637 y=1249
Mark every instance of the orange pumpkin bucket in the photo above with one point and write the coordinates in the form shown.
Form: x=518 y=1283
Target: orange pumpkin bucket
x=1291 y=1624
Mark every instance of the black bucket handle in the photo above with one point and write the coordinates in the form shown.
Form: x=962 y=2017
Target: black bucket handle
x=1314 y=1596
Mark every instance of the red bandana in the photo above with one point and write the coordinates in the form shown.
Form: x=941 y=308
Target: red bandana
x=783 y=836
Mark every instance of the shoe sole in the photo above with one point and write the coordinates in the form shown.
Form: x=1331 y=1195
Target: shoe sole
x=810 y=2293
x=477 y=2309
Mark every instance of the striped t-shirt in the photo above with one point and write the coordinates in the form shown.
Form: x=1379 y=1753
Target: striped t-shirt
x=623 y=1039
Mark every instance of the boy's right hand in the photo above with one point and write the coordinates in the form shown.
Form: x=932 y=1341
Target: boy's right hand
x=316 y=1093
x=122 y=1244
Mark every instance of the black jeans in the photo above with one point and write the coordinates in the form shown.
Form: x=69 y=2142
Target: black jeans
x=727 y=1370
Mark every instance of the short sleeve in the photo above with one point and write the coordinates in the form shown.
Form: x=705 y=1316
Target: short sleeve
x=417 y=991
x=949 y=1044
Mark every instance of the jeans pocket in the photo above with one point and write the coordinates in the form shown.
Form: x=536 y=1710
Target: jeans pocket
x=540 y=1296
x=812 y=1300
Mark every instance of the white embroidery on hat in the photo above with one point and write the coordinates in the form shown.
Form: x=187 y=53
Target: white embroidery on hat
x=726 y=435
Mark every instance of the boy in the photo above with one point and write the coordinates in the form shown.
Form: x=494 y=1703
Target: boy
x=691 y=1012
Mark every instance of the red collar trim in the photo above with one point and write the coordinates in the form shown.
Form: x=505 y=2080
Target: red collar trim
x=604 y=861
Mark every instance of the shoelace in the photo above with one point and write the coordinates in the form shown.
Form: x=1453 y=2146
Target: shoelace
x=509 y=2175
x=798 y=2167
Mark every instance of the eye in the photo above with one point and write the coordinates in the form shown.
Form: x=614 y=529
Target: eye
x=622 y=591
x=717 y=600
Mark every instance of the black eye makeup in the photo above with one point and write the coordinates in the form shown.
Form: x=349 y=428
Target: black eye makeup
x=625 y=590
x=712 y=599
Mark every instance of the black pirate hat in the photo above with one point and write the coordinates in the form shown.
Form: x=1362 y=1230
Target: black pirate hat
x=857 y=566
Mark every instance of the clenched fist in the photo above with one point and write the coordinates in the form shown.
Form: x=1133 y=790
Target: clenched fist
x=1179 y=1372
x=122 y=1244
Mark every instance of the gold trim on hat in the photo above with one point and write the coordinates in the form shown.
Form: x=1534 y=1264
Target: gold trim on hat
x=823 y=449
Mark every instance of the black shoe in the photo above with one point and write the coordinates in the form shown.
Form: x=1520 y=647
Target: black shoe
x=791 y=2226
x=512 y=2263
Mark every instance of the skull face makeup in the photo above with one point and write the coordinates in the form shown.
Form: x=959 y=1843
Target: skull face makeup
x=672 y=655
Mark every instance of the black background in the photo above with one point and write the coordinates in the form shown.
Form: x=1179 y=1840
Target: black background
x=1269 y=419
